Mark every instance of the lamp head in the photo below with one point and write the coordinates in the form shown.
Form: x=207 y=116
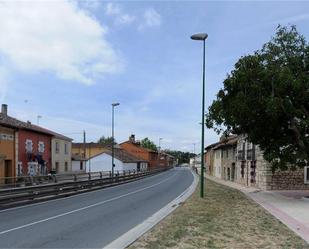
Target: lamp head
x=199 y=37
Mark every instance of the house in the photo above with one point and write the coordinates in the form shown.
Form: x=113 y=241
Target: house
x=133 y=147
x=32 y=146
x=8 y=154
x=78 y=163
x=88 y=150
x=237 y=159
x=122 y=160
x=61 y=149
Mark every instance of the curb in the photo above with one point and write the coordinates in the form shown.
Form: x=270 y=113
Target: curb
x=132 y=235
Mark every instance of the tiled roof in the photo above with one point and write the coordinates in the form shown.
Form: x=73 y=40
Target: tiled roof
x=15 y=123
x=137 y=144
x=92 y=145
x=18 y=124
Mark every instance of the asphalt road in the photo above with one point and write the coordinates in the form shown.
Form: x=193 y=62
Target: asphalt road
x=93 y=219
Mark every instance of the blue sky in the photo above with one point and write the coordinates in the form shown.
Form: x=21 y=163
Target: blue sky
x=69 y=60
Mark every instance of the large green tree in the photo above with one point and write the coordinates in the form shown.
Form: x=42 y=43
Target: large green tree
x=266 y=96
x=148 y=144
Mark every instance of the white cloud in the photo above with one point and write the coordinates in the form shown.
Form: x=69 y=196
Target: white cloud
x=151 y=18
x=57 y=37
x=116 y=11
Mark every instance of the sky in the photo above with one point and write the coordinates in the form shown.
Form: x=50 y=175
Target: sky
x=68 y=61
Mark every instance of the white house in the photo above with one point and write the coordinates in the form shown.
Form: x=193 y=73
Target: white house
x=122 y=160
x=78 y=163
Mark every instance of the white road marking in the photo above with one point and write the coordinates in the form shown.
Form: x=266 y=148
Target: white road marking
x=84 y=208
x=77 y=195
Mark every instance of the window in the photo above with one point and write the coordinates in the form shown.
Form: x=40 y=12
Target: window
x=66 y=166
x=307 y=175
x=57 y=147
x=66 y=149
x=242 y=170
x=81 y=165
x=41 y=147
x=29 y=146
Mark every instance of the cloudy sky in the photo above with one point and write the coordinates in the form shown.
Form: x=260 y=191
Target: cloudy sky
x=69 y=60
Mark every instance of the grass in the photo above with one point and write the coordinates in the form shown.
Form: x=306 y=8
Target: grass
x=225 y=218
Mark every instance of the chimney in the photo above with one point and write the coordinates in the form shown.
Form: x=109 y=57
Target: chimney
x=4 y=109
x=132 y=138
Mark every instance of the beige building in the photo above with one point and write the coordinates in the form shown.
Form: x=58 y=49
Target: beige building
x=237 y=159
x=61 y=148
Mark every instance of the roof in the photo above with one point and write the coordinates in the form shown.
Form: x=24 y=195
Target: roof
x=92 y=145
x=15 y=123
x=18 y=124
x=137 y=144
x=122 y=155
x=230 y=141
x=55 y=134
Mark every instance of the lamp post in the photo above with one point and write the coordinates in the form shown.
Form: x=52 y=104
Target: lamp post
x=194 y=155
x=202 y=37
x=113 y=139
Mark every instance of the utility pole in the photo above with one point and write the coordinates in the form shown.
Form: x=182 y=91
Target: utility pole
x=84 y=135
x=113 y=138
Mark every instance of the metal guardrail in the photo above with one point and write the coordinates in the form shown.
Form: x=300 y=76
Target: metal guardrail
x=85 y=182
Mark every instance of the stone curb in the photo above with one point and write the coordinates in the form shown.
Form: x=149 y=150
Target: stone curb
x=132 y=235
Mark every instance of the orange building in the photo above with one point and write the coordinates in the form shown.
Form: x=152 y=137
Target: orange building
x=133 y=147
x=7 y=152
x=88 y=150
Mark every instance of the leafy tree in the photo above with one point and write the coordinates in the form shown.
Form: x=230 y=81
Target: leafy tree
x=148 y=144
x=183 y=157
x=266 y=97
x=107 y=141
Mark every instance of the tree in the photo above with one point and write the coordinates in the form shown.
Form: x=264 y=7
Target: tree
x=106 y=141
x=148 y=144
x=182 y=157
x=266 y=97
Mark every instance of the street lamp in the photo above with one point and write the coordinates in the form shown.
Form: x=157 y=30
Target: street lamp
x=202 y=37
x=113 y=139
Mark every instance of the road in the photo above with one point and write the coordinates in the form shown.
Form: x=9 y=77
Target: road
x=93 y=219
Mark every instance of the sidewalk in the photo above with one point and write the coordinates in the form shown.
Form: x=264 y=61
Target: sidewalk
x=288 y=208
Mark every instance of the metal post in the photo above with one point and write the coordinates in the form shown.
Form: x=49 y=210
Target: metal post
x=113 y=140
x=203 y=125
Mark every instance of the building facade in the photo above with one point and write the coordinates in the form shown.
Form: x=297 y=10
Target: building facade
x=88 y=150
x=61 y=148
x=241 y=161
x=122 y=160
x=8 y=154
x=133 y=147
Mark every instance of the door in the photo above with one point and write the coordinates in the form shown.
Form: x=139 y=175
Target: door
x=8 y=171
x=233 y=172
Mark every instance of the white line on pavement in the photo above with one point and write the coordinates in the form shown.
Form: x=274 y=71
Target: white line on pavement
x=79 y=194
x=84 y=208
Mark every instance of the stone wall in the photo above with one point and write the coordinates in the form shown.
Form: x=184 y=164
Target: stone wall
x=287 y=180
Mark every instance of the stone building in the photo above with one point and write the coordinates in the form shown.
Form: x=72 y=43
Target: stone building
x=240 y=161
